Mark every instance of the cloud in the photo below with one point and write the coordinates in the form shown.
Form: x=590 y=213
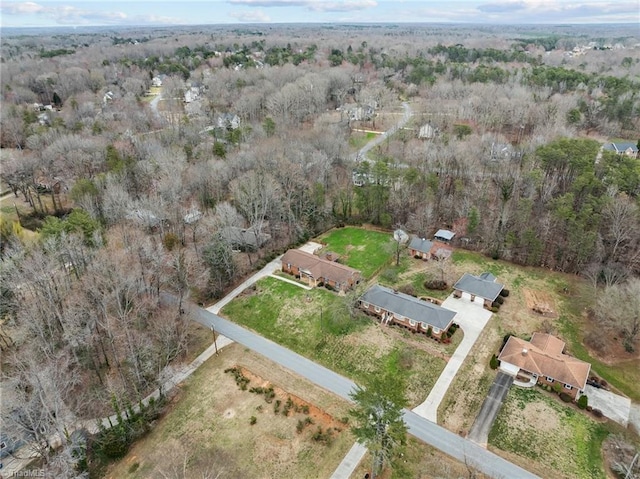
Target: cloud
x=521 y=11
x=313 y=5
x=252 y=16
x=70 y=15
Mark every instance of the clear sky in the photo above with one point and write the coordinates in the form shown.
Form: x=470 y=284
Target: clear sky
x=166 y=12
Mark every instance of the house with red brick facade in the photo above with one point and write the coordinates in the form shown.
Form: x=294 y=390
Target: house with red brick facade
x=416 y=315
x=317 y=271
x=542 y=360
x=427 y=249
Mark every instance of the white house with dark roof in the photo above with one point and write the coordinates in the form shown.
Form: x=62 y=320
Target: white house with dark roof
x=393 y=307
x=483 y=289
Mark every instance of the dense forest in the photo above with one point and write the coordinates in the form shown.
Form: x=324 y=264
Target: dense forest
x=147 y=160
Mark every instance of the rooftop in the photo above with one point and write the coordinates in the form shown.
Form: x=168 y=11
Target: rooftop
x=482 y=285
x=409 y=306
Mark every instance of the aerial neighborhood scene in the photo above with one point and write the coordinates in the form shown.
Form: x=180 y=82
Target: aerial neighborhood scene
x=320 y=239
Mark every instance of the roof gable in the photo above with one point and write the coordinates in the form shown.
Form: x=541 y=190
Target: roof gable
x=479 y=286
x=320 y=268
x=546 y=362
x=409 y=306
x=420 y=244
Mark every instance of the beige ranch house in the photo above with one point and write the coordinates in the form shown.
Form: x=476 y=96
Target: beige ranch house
x=542 y=360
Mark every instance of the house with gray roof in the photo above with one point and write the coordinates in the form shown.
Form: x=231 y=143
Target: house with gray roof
x=444 y=235
x=244 y=239
x=483 y=289
x=627 y=148
x=427 y=249
x=393 y=307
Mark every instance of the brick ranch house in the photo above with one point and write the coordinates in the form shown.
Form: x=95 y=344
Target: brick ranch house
x=427 y=249
x=481 y=289
x=407 y=311
x=316 y=271
x=542 y=360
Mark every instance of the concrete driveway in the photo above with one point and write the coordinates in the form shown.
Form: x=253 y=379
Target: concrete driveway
x=490 y=408
x=472 y=318
x=613 y=406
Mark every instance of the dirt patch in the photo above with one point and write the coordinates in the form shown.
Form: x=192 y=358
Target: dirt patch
x=540 y=302
x=540 y=414
x=319 y=417
x=229 y=413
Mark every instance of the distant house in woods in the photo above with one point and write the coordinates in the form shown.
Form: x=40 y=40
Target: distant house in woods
x=542 y=360
x=444 y=235
x=144 y=217
x=317 y=271
x=244 y=238
x=504 y=151
x=228 y=121
x=156 y=81
x=426 y=249
x=481 y=289
x=627 y=148
x=393 y=307
x=427 y=132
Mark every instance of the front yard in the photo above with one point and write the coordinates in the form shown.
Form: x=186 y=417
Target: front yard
x=549 y=437
x=316 y=324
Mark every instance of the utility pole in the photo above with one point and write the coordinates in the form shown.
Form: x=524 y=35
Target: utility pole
x=215 y=344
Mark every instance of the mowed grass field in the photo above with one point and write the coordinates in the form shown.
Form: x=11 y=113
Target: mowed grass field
x=362 y=249
x=548 y=436
x=315 y=324
x=209 y=430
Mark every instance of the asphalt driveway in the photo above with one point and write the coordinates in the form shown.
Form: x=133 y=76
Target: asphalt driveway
x=490 y=408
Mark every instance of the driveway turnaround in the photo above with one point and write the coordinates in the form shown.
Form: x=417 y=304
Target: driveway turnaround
x=613 y=406
x=490 y=408
x=472 y=318
x=434 y=435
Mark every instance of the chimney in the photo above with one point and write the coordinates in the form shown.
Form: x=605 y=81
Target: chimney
x=525 y=351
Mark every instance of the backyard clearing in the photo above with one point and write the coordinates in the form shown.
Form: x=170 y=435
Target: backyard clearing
x=540 y=302
x=208 y=426
x=550 y=438
x=363 y=249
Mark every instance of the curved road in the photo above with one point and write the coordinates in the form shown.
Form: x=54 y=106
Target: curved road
x=434 y=435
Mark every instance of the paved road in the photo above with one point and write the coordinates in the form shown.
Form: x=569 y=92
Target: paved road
x=490 y=408
x=438 y=437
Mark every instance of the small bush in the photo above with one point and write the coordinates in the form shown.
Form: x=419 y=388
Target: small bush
x=597 y=413
x=170 y=240
x=589 y=408
x=133 y=467
x=253 y=420
x=495 y=304
x=493 y=363
x=504 y=293
x=344 y=420
x=583 y=402
x=429 y=332
x=276 y=406
x=565 y=397
x=407 y=289
x=305 y=409
x=500 y=300
x=436 y=284
x=557 y=387
x=494 y=309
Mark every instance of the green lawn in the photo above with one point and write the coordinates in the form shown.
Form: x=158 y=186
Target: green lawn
x=292 y=317
x=535 y=426
x=358 y=139
x=362 y=249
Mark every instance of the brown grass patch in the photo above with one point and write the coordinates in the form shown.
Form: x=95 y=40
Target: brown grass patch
x=540 y=302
